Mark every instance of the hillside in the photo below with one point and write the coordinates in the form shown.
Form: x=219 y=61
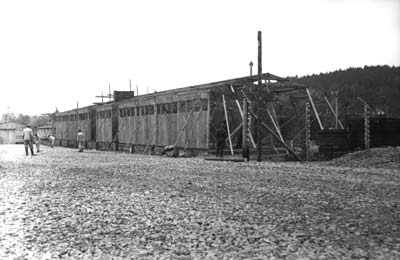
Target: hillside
x=379 y=86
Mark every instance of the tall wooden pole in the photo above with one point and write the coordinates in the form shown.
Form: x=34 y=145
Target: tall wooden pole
x=308 y=132
x=109 y=91
x=366 y=125
x=245 y=128
x=259 y=148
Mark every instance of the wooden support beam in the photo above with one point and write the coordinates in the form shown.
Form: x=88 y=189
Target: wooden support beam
x=227 y=123
x=259 y=148
x=277 y=137
x=184 y=127
x=241 y=114
x=236 y=130
x=314 y=109
x=333 y=112
x=275 y=125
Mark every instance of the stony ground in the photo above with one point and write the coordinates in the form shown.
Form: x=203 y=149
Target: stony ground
x=63 y=204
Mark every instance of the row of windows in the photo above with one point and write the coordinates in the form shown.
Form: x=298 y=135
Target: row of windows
x=103 y=114
x=166 y=108
x=73 y=117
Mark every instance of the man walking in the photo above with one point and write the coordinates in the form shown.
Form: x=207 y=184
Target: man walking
x=27 y=135
x=80 y=138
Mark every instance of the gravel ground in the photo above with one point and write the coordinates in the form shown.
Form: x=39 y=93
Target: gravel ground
x=63 y=204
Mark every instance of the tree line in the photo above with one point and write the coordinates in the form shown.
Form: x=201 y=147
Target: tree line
x=22 y=119
x=379 y=86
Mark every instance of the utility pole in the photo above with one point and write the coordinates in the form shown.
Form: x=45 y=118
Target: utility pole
x=245 y=149
x=259 y=148
x=109 y=91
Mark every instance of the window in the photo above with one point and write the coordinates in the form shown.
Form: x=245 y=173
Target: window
x=189 y=105
x=182 y=107
x=137 y=111
x=174 y=107
x=204 y=104
x=197 y=105
x=158 y=108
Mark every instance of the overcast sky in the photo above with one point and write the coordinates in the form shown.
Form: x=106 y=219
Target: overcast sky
x=57 y=53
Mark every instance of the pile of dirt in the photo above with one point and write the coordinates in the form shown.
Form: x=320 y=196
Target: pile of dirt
x=388 y=157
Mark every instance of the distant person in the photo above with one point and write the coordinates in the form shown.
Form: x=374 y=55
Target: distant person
x=52 y=139
x=27 y=135
x=80 y=138
x=221 y=136
x=37 y=142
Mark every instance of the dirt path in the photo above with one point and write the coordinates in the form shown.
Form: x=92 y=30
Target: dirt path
x=63 y=204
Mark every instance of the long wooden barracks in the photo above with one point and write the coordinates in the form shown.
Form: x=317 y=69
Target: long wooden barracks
x=188 y=118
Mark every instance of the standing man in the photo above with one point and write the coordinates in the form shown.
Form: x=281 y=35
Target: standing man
x=37 y=142
x=221 y=136
x=27 y=135
x=80 y=138
x=51 y=138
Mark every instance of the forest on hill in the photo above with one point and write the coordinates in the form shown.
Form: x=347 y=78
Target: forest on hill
x=379 y=86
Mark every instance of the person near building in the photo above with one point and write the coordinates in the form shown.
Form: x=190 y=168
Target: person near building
x=221 y=136
x=27 y=135
x=37 y=142
x=80 y=138
x=52 y=139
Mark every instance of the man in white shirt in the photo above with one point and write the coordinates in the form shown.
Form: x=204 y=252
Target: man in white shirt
x=52 y=139
x=27 y=135
x=80 y=138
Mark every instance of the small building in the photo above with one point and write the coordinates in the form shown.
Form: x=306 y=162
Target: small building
x=45 y=130
x=11 y=133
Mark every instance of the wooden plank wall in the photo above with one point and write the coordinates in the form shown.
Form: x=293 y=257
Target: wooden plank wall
x=158 y=120
x=67 y=124
x=8 y=136
x=104 y=123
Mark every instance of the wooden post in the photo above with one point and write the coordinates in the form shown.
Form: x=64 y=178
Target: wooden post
x=314 y=109
x=259 y=148
x=109 y=91
x=307 y=141
x=241 y=115
x=77 y=115
x=245 y=150
x=276 y=137
x=227 y=124
x=366 y=127
x=366 y=124
x=334 y=113
x=208 y=121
